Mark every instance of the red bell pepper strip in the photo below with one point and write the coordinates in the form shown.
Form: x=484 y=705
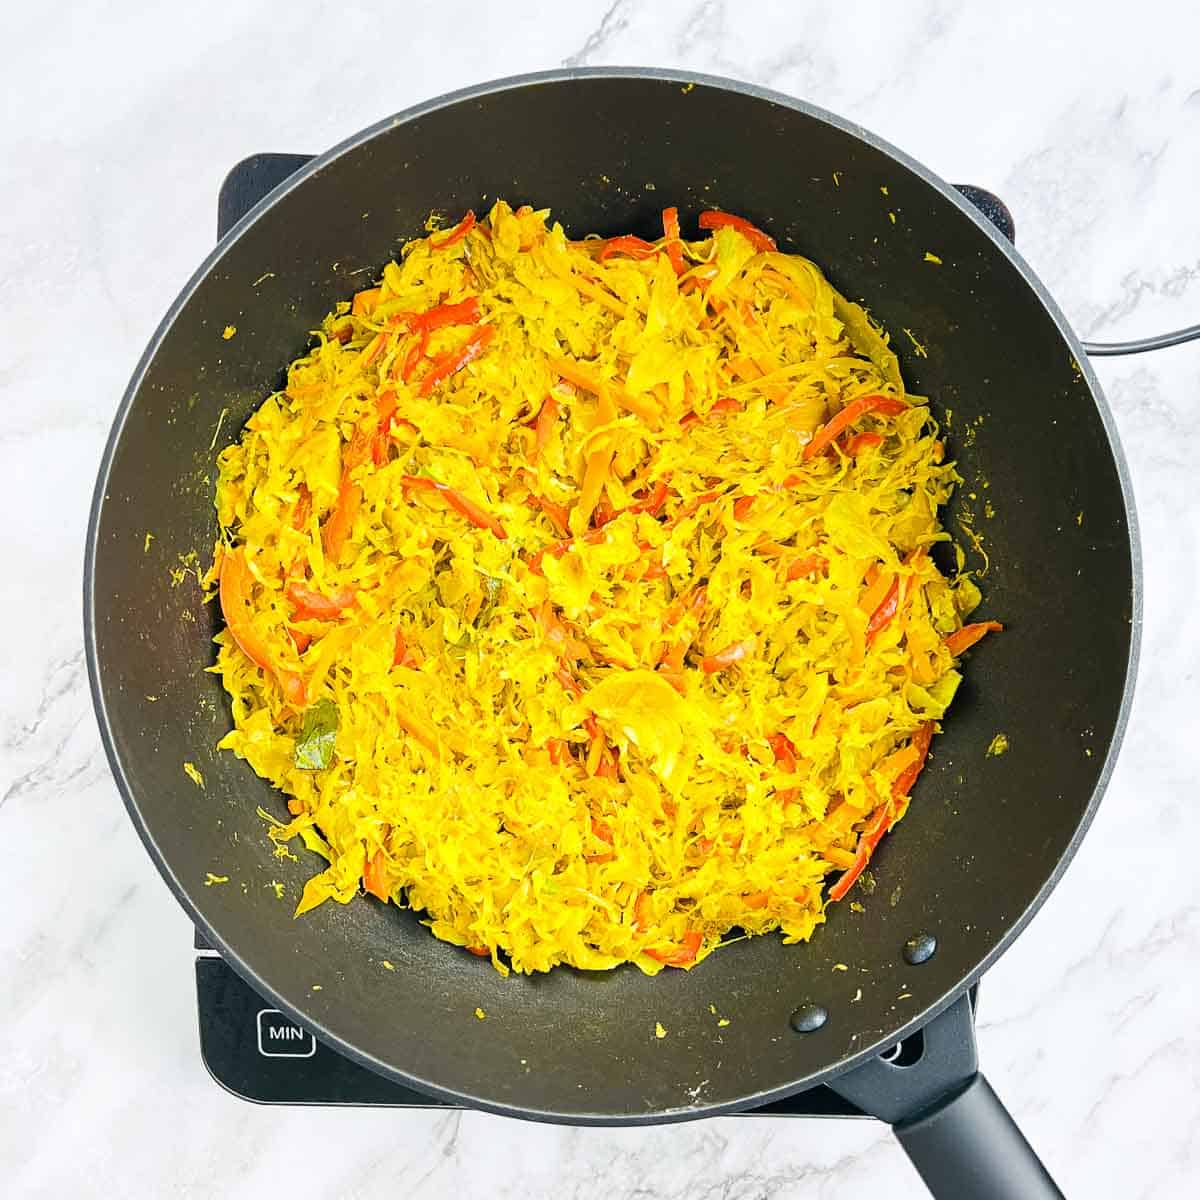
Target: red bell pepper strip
x=313 y=606
x=303 y=507
x=887 y=405
x=921 y=740
x=784 y=751
x=632 y=247
x=757 y=899
x=742 y=506
x=711 y=663
x=653 y=502
x=885 y=816
x=963 y=639
x=457 y=501
x=683 y=954
x=885 y=611
x=238 y=611
x=785 y=760
x=373 y=876
x=465 y=312
x=452 y=361
x=673 y=246
x=715 y=219
x=867 y=842
x=457 y=234
x=385 y=408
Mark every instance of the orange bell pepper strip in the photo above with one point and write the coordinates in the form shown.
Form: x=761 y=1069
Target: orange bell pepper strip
x=862 y=441
x=712 y=663
x=966 y=637
x=455 y=235
x=631 y=247
x=583 y=377
x=460 y=503
x=349 y=498
x=313 y=606
x=365 y=301
x=808 y=564
x=715 y=219
x=556 y=512
x=300 y=639
x=238 y=611
x=341 y=520
x=544 y=426
x=682 y=955
x=453 y=361
x=889 y=406
x=373 y=350
x=373 y=881
x=673 y=244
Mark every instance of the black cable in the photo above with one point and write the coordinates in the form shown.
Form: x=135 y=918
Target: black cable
x=1142 y=345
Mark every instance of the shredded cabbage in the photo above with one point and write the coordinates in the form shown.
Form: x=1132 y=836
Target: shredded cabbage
x=608 y=664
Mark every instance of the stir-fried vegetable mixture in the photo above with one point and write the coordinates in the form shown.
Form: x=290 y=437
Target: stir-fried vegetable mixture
x=578 y=593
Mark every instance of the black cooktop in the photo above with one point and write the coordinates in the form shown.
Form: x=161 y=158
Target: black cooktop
x=252 y=1049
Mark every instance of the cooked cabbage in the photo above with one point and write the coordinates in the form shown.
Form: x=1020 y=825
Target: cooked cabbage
x=584 y=604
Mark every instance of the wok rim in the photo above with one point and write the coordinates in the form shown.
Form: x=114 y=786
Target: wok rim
x=295 y=1010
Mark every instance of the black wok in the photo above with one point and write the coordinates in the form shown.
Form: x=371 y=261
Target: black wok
x=986 y=838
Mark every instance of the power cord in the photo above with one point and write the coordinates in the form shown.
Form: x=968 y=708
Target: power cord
x=1142 y=345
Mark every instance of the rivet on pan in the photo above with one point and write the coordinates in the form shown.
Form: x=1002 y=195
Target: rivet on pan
x=920 y=948
x=808 y=1018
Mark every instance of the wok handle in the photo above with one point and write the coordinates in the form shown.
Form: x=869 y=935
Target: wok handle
x=968 y=1146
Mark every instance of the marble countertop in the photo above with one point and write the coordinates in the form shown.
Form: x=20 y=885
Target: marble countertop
x=121 y=121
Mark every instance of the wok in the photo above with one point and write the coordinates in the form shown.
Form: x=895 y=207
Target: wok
x=986 y=838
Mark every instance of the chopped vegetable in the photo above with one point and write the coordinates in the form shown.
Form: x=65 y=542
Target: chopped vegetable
x=714 y=219
x=961 y=640
x=452 y=361
x=824 y=437
x=455 y=235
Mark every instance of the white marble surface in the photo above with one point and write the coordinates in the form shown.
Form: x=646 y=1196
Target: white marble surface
x=120 y=121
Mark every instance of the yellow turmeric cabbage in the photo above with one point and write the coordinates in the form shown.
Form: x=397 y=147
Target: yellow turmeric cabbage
x=578 y=593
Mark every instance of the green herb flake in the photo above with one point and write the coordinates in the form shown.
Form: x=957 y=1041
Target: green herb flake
x=318 y=732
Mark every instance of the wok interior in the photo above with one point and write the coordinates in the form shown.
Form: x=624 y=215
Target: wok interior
x=983 y=834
